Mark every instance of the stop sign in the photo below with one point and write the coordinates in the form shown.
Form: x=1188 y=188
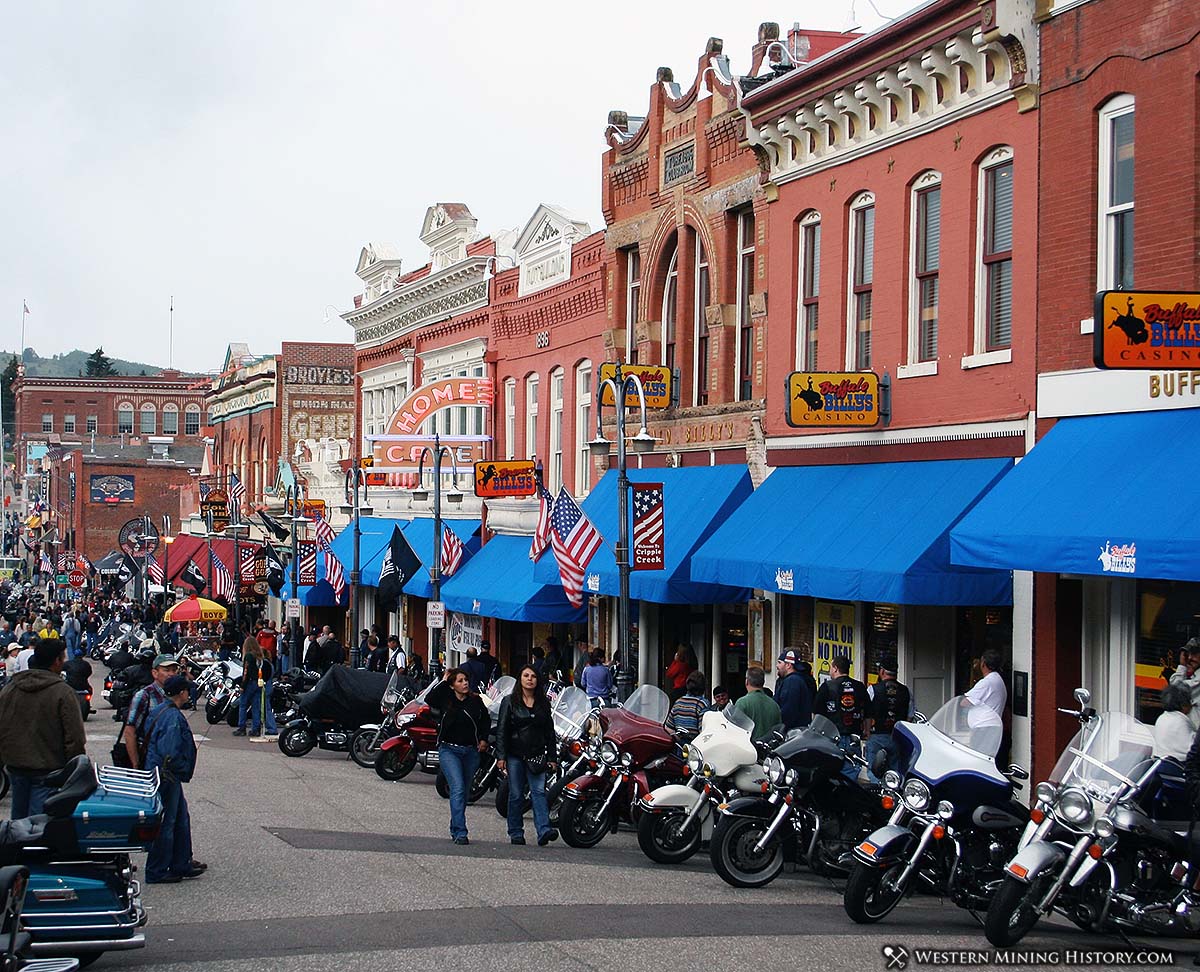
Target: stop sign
x=77 y=577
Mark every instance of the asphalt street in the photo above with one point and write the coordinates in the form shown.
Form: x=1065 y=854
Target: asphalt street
x=317 y=864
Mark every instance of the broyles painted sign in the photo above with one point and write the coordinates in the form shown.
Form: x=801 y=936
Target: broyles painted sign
x=1140 y=329
x=825 y=399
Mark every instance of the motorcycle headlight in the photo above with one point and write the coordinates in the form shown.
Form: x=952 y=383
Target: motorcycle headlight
x=945 y=810
x=609 y=752
x=1046 y=792
x=695 y=761
x=916 y=795
x=892 y=780
x=1074 y=807
x=773 y=766
x=1105 y=827
x=626 y=759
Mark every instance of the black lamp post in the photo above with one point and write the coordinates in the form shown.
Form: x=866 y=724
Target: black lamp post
x=357 y=508
x=438 y=452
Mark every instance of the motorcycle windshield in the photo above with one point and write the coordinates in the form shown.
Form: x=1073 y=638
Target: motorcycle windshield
x=395 y=686
x=501 y=687
x=977 y=727
x=571 y=710
x=736 y=717
x=1110 y=750
x=649 y=702
x=819 y=730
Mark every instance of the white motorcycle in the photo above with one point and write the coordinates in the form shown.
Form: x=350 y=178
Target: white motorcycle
x=723 y=762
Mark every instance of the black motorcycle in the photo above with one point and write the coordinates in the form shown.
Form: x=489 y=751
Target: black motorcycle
x=326 y=717
x=810 y=812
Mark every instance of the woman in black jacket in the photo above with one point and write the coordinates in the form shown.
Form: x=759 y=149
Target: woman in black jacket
x=462 y=736
x=526 y=747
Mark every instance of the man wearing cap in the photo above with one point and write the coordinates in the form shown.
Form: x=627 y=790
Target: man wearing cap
x=1186 y=674
x=791 y=693
x=171 y=750
x=891 y=702
x=843 y=701
x=144 y=703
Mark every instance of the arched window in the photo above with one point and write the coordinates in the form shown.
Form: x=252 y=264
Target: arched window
x=148 y=420
x=924 y=264
x=808 y=293
x=531 y=414
x=191 y=420
x=510 y=418
x=170 y=425
x=993 y=288
x=583 y=427
x=669 y=303
x=744 y=365
x=700 y=366
x=860 y=289
x=1114 y=250
x=264 y=460
x=125 y=418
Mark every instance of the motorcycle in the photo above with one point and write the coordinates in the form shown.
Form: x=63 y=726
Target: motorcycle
x=1109 y=842
x=221 y=685
x=722 y=761
x=81 y=898
x=809 y=804
x=570 y=709
x=327 y=716
x=413 y=745
x=955 y=823
x=14 y=882
x=366 y=742
x=635 y=755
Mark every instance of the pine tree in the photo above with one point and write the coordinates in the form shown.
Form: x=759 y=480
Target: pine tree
x=7 y=402
x=99 y=365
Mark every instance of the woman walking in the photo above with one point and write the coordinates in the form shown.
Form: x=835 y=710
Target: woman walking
x=462 y=736
x=525 y=749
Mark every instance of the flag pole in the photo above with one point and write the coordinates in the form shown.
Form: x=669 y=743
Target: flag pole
x=171 y=334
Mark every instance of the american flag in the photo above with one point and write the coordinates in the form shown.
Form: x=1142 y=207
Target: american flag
x=154 y=569
x=44 y=564
x=222 y=581
x=452 y=552
x=237 y=493
x=574 y=541
x=541 y=535
x=307 y=572
x=246 y=553
x=648 y=526
x=204 y=488
x=333 y=567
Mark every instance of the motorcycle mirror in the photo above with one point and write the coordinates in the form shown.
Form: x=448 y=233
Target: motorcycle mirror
x=1083 y=697
x=1017 y=772
x=920 y=717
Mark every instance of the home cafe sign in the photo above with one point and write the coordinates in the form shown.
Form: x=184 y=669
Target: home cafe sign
x=399 y=447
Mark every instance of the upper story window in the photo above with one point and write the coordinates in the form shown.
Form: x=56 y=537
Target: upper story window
x=531 y=413
x=583 y=427
x=556 y=429
x=510 y=419
x=861 y=282
x=1114 y=265
x=808 y=295
x=700 y=382
x=633 y=291
x=744 y=367
x=191 y=420
x=124 y=418
x=68 y=423
x=925 y=262
x=994 y=273
x=148 y=420
x=669 y=305
x=47 y=422
x=170 y=425
x=93 y=424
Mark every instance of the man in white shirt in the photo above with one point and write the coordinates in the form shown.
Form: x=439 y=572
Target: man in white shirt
x=987 y=699
x=23 y=660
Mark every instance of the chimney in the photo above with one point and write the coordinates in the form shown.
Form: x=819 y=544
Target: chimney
x=798 y=44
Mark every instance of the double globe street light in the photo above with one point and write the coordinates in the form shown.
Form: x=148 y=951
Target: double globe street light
x=355 y=506
x=420 y=494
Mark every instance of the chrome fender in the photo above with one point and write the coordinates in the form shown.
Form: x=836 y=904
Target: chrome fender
x=885 y=845
x=1034 y=860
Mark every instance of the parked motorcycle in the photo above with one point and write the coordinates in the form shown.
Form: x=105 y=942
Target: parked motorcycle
x=82 y=899
x=220 y=686
x=722 y=762
x=1109 y=844
x=327 y=716
x=808 y=801
x=14 y=941
x=636 y=754
x=366 y=742
x=413 y=745
x=955 y=823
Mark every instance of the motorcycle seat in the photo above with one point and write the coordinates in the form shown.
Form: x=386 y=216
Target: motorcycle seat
x=74 y=783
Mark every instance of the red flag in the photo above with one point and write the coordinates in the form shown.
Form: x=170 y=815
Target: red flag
x=574 y=541
x=648 y=543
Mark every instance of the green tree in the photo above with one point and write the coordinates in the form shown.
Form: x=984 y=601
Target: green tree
x=99 y=365
x=7 y=402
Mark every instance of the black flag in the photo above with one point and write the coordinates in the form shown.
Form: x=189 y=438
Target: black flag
x=273 y=526
x=274 y=569
x=400 y=562
x=194 y=576
x=128 y=570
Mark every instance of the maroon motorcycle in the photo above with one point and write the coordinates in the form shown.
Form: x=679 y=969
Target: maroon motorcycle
x=630 y=755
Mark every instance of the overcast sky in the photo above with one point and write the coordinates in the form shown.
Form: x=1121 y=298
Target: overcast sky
x=238 y=155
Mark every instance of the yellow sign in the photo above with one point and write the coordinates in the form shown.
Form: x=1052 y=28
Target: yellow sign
x=835 y=634
x=825 y=399
x=366 y=462
x=507 y=477
x=1139 y=329
x=656 y=383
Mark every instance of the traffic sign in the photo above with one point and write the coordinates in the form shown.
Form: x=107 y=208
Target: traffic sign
x=435 y=614
x=77 y=577
x=293 y=608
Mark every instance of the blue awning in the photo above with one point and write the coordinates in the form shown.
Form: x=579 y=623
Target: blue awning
x=696 y=500
x=498 y=582
x=419 y=534
x=1108 y=495
x=873 y=532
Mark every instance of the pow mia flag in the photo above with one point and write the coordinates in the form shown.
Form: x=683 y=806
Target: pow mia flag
x=192 y=575
x=274 y=568
x=400 y=563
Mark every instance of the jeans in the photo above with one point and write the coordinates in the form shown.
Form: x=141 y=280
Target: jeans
x=255 y=702
x=72 y=639
x=28 y=793
x=881 y=742
x=850 y=769
x=520 y=779
x=171 y=852
x=458 y=765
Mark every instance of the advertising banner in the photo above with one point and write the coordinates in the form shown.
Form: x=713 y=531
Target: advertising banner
x=832 y=399
x=505 y=477
x=1139 y=329
x=648 y=527
x=111 y=489
x=657 y=384
x=835 y=634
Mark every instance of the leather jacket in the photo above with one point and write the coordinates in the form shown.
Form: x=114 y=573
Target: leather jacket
x=523 y=733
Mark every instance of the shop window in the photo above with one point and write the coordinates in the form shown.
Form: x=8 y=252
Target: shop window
x=744 y=364
x=862 y=281
x=1166 y=620
x=700 y=365
x=881 y=627
x=978 y=629
x=809 y=292
x=1114 y=270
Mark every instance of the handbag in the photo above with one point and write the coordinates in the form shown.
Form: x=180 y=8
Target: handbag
x=536 y=765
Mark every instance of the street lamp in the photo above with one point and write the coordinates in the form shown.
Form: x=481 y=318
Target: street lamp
x=295 y=516
x=354 y=506
x=236 y=530
x=438 y=452
x=621 y=385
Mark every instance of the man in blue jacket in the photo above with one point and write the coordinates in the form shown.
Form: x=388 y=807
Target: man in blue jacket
x=172 y=751
x=792 y=693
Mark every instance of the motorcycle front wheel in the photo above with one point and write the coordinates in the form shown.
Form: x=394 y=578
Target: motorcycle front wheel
x=214 y=711
x=582 y=822
x=665 y=840
x=361 y=750
x=479 y=785
x=1012 y=913
x=395 y=764
x=871 y=893
x=296 y=741
x=733 y=855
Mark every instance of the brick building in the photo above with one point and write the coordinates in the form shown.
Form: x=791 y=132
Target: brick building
x=124 y=409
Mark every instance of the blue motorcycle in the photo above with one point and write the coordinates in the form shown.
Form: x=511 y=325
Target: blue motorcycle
x=954 y=823
x=14 y=941
x=82 y=899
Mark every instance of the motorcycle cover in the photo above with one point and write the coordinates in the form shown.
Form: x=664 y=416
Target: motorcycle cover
x=348 y=696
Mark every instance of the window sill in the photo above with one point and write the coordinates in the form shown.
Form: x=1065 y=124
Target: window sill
x=987 y=358
x=918 y=369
